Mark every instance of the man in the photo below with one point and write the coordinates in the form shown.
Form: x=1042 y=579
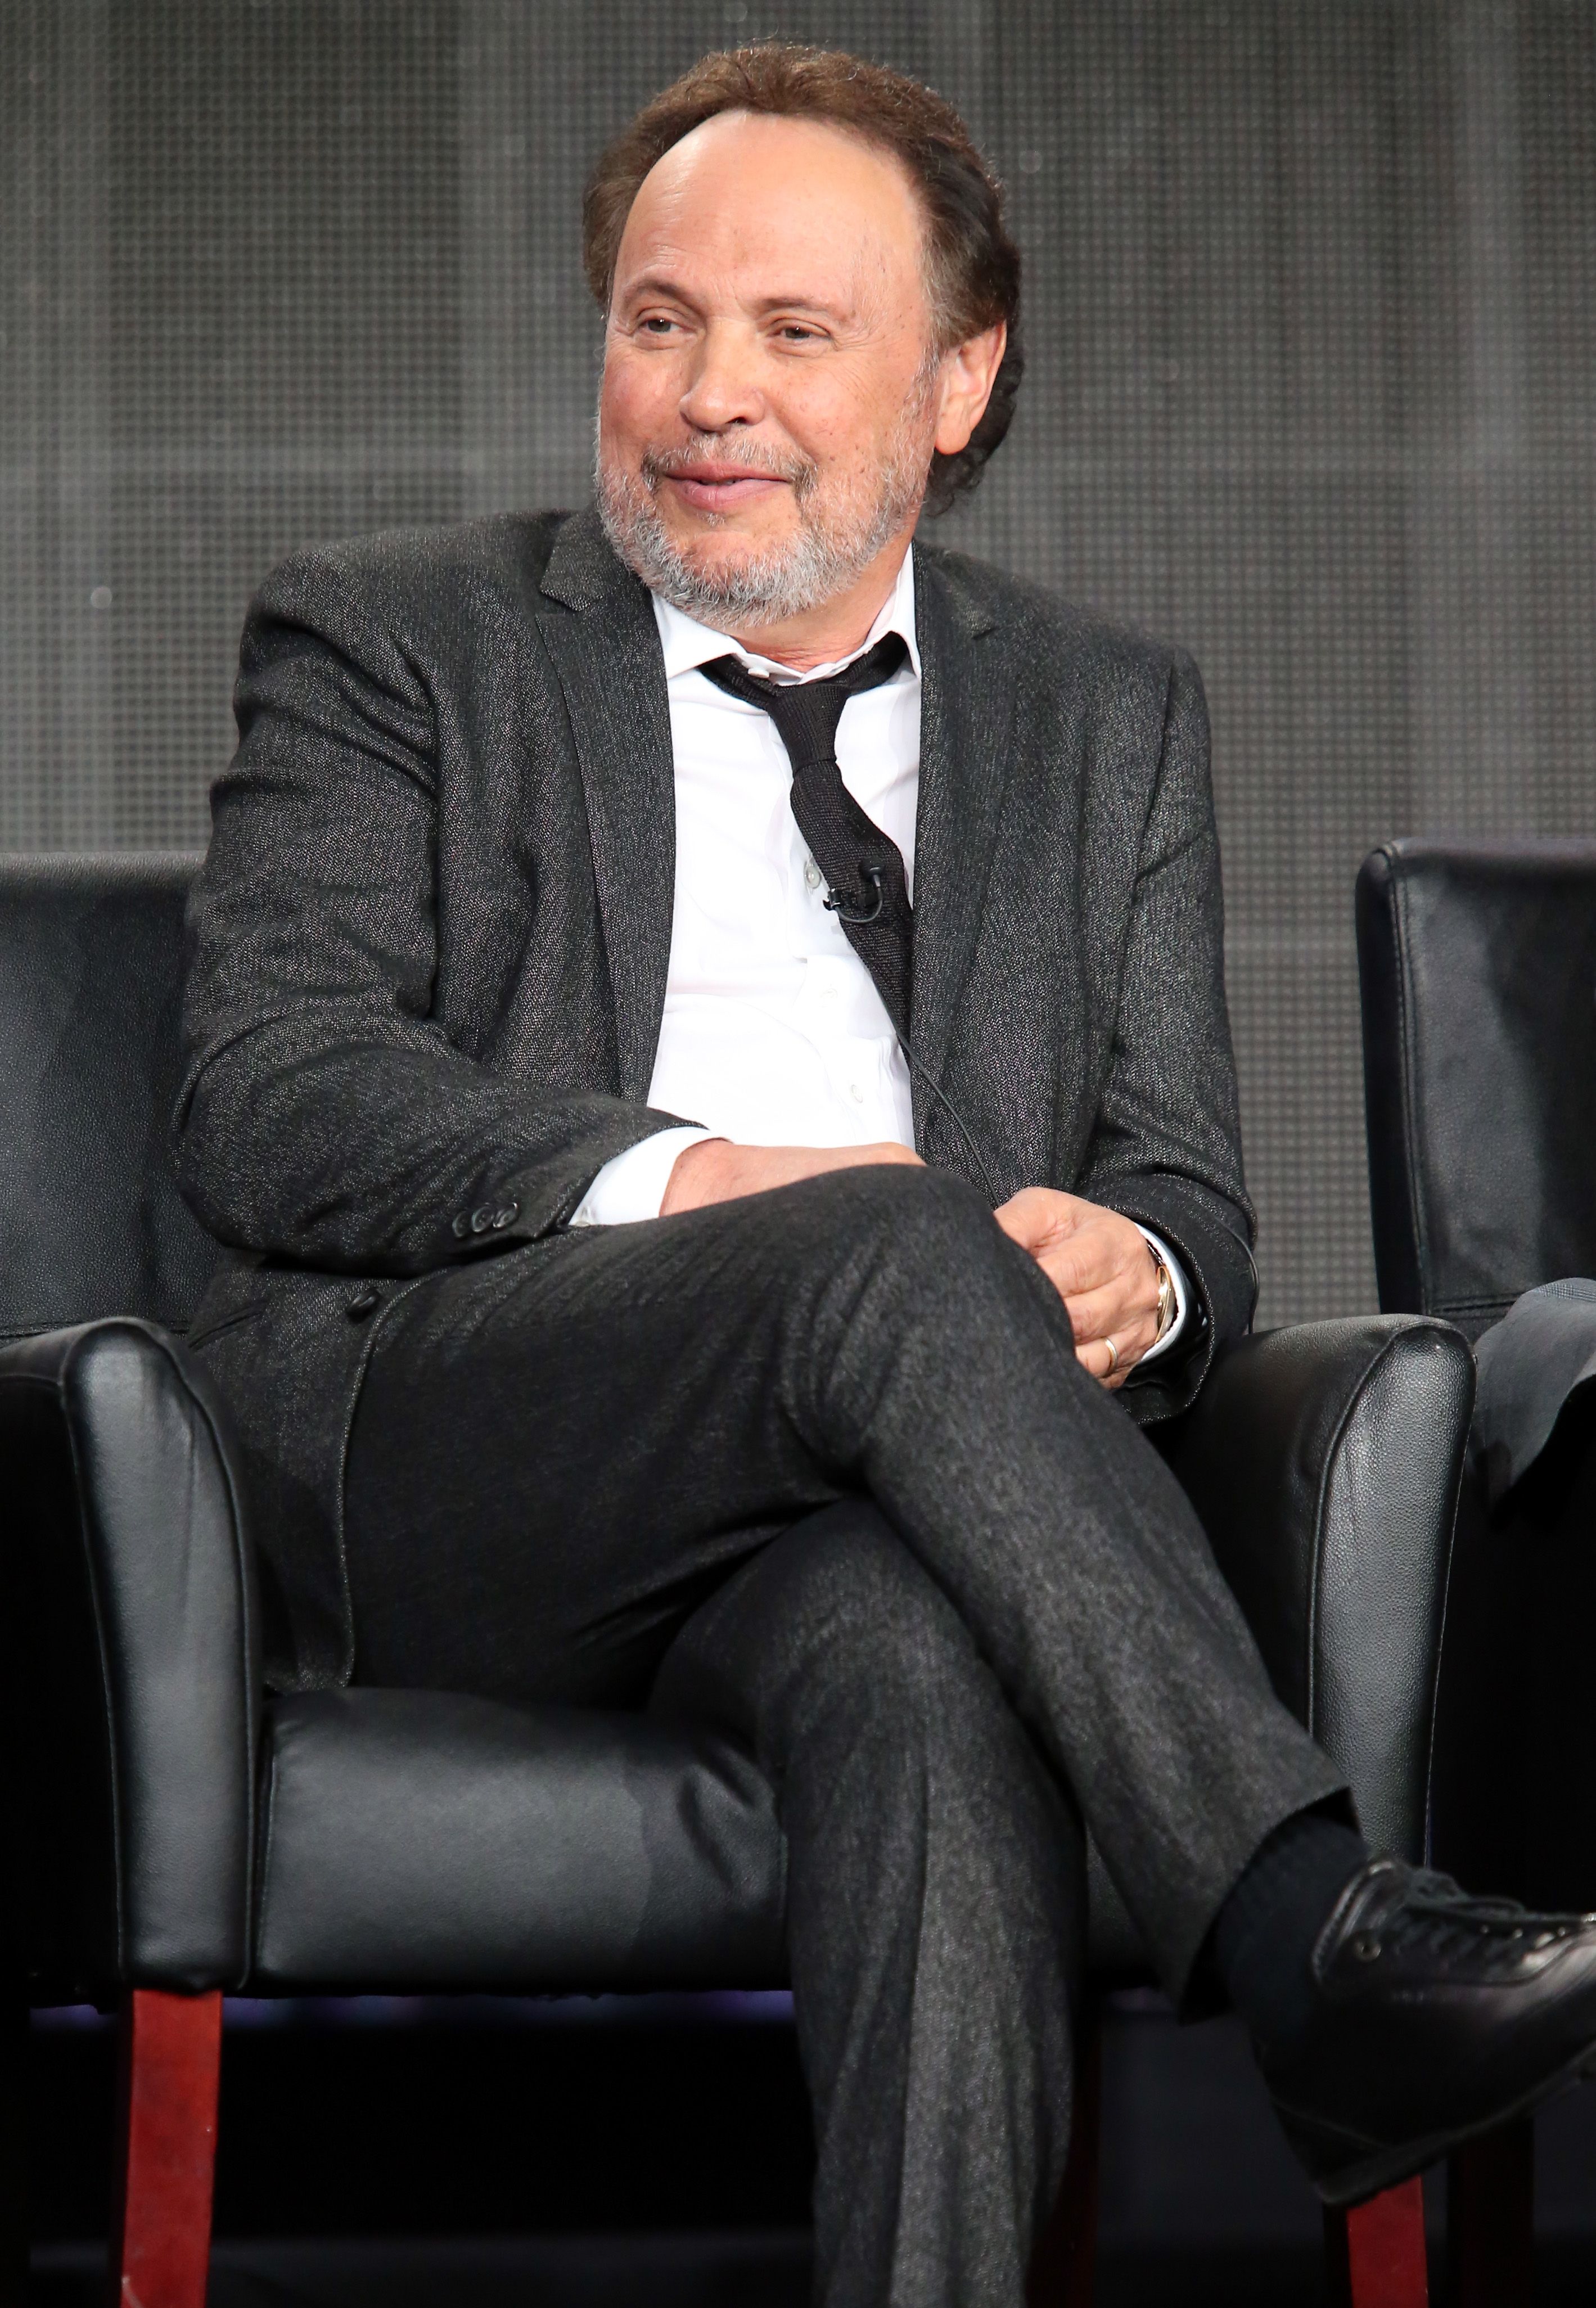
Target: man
x=706 y=1035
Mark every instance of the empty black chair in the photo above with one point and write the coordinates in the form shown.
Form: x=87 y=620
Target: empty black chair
x=184 y=1832
x=1478 y=966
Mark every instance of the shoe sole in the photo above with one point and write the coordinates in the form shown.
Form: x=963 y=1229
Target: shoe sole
x=1391 y=2166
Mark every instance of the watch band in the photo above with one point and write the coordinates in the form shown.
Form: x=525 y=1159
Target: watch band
x=1166 y=1295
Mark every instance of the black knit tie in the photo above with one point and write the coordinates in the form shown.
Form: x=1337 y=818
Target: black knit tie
x=867 y=890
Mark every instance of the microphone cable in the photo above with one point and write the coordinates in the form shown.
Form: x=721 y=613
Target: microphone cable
x=846 y=913
x=965 y=1131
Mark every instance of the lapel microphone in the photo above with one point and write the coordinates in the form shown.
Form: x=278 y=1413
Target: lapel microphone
x=834 y=904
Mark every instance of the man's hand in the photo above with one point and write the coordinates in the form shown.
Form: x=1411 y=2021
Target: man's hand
x=1101 y=1268
x=717 y=1171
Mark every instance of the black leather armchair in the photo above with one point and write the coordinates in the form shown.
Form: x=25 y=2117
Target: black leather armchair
x=1477 y=965
x=185 y=1832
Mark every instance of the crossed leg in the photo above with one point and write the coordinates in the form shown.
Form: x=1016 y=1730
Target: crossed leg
x=581 y=1471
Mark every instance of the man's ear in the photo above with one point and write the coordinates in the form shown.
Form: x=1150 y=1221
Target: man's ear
x=969 y=374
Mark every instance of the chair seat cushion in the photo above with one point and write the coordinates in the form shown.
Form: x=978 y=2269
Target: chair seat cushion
x=424 y=1841
x=418 y=1840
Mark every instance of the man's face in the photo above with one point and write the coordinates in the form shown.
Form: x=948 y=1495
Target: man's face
x=770 y=396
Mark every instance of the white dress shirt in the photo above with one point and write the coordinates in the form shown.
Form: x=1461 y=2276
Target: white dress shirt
x=773 y=1033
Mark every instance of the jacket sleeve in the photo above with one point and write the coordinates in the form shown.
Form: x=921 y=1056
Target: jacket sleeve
x=1166 y=1149
x=324 y=1116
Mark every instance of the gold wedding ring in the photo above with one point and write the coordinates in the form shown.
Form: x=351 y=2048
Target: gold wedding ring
x=1113 y=1358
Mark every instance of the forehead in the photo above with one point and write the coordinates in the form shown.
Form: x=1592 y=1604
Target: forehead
x=747 y=192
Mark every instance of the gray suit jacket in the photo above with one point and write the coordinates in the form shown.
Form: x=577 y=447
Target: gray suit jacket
x=430 y=941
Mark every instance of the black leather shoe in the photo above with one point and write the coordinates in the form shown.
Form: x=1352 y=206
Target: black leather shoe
x=1437 y=2017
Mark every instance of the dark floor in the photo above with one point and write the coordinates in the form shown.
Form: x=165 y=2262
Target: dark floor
x=706 y=2271
x=619 y=2156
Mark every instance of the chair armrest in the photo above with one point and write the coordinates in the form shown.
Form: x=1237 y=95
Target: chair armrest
x=1325 y=1462
x=132 y=1667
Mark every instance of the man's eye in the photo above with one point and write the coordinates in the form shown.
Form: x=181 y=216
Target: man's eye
x=658 y=324
x=796 y=333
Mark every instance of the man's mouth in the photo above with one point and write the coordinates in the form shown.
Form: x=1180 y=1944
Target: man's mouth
x=721 y=488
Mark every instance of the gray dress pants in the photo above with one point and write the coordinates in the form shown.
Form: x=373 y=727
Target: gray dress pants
x=821 y=1466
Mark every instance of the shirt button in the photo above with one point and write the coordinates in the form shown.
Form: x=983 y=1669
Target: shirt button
x=855 y=1093
x=811 y=874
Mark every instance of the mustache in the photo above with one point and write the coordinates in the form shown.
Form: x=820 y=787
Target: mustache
x=657 y=465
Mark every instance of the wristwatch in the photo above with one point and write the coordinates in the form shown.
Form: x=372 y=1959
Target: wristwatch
x=1166 y=1293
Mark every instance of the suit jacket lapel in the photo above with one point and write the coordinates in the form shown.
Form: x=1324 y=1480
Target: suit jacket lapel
x=966 y=705
x=607 y=656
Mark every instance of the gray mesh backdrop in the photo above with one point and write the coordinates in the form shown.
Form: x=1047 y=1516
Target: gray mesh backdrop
x=1312 y=389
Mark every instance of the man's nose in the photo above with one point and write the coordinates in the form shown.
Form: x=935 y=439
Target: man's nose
x=724 y=387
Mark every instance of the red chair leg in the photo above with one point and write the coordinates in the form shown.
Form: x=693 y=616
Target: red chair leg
x=1490 y=2219
x=13 y=2153
x=1375 y=2250
x=1065 y=2265
x=166 y=2157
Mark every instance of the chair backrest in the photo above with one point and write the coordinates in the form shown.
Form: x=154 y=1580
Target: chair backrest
x=90 y=979
x=1477 y=965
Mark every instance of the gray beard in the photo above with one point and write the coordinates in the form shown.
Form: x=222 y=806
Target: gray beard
x=832 y=548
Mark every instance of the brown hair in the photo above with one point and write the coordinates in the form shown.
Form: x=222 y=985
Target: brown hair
x=974 y=266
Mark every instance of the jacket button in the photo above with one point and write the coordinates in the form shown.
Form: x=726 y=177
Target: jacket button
x=461 y=1227
x=501 y=1219
x=481 y=1219
x=364 y=1303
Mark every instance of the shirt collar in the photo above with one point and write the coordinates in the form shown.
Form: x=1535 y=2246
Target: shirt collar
x=688 y=644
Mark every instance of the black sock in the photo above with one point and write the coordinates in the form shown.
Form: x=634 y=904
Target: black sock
x=1265 y=1934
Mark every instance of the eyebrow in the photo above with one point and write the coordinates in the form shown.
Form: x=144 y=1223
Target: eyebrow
x=660 y=284
x=657 y=284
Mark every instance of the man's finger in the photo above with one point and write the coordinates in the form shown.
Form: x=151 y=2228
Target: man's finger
x=1112 y=1313
x=1037 y=1216
x=1090 y=1265
x=1026 y=1219
x=1095 y=1359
